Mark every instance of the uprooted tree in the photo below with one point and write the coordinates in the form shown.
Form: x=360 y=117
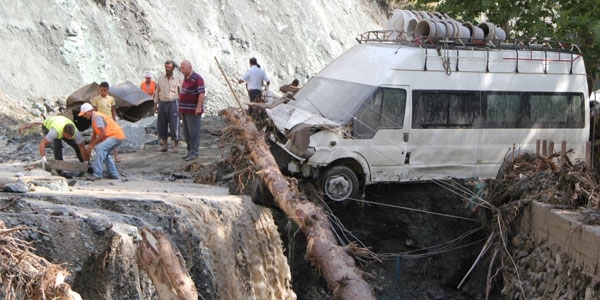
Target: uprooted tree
x=530 y=177
x=335 y=263
x=24 y=275
x=164 y=267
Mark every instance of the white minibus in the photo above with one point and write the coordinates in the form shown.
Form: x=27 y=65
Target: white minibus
x=398 y=110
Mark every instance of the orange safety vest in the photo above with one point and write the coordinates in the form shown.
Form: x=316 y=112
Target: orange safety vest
x=112 y=128
x=148 y=89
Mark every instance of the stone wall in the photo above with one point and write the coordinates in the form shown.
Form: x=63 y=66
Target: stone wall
x=555 y=255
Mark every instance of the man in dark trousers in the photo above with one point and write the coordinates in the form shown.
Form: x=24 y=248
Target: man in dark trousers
x=191 y=108
x=254 y=78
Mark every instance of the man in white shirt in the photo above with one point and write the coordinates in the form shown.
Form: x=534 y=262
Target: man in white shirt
x=254 y=78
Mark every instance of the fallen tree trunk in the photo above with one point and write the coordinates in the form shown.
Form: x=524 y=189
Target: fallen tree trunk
x=334 y=262
x=165 y=269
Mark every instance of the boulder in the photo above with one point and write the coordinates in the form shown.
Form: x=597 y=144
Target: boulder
x=135 y=135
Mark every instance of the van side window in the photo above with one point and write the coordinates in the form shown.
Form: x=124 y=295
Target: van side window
x=494 y=109
x=384 y=109
x=445 y=109
x=502 y=110
x=533 y=110
x=563 y=111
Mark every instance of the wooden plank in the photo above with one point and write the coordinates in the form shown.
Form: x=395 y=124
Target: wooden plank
x=544 y=147
x=62 y=165
x=588 y=153
x=563 y=151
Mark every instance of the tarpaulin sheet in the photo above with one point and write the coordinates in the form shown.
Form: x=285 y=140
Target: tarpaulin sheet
x=131 y=102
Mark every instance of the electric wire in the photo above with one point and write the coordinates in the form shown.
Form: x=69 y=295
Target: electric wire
x=415 y=210
x=345 y=236
x=438 y=251
x=458 y=188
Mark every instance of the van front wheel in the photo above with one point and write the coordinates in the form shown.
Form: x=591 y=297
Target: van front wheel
x=339 y=183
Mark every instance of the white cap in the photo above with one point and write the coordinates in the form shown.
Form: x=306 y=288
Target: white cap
x=148 y=75
x=85 y=108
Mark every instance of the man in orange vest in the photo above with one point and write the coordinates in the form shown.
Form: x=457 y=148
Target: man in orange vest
x=149 y=85
x=107 y=136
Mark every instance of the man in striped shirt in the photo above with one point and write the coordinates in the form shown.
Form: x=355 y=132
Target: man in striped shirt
x=191 y=107
x=165 y=107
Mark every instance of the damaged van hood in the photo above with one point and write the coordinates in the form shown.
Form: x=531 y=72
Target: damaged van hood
x=286 y=116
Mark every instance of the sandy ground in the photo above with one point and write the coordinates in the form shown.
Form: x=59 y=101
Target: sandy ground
x=141 y=170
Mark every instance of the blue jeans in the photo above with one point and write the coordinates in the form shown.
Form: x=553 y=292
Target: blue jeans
x=191 y=131
x=103 y=151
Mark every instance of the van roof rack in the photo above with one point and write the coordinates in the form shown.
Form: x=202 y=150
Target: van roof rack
x=411 y=39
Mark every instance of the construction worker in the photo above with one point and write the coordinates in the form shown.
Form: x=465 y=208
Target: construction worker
x=148 y=85
x=58 y=129
x=107 y=136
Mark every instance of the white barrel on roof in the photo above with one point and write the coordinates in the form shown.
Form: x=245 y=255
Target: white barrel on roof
x=411 y=25
x=492 y=32
x=475 y=33
x=435 y=24
x=426 y=27
x=402 y=20
x=489 y=30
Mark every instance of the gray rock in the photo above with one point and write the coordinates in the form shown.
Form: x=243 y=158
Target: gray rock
x=99 y=223
x=151 y=139
x=135 y=135
x=58 y=184
x=148 y=122
x=522 y=254
x=17 y=187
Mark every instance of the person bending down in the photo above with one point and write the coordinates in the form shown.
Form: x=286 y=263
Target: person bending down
x=107 y=136
x=58 y=129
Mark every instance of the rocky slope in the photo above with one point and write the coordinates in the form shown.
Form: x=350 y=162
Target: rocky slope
x=51 y=48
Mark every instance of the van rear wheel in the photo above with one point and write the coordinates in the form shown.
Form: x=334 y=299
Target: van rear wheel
x=339 y=183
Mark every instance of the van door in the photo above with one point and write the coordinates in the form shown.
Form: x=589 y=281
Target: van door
x=380 y=128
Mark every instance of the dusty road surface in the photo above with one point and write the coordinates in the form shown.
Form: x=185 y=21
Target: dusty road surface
x=138 y=167
x=93 y=226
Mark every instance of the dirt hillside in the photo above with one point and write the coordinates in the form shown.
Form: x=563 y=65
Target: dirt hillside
x=52 y=48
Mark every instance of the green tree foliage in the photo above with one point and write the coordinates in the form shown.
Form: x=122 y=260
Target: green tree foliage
x=574 y=21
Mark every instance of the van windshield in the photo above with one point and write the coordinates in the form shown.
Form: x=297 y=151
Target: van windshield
x=333 y=99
